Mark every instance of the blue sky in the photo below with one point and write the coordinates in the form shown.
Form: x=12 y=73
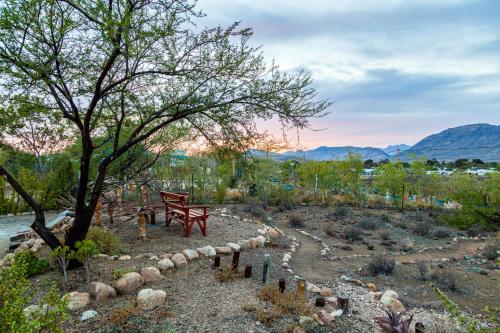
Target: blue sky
x=396 y=70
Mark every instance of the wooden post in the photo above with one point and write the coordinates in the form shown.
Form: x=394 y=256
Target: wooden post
x=320 y=302
x=282 y=285
x=248 y=271
x=343 y=303
x=217 y=261
x=236 y=260
x=301 y=289
x=153 y=218
x=141 y=223
x=265 y=270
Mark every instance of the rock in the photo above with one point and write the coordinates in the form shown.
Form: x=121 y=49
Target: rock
x=234 y=247
x=254 y=243
x=332 y=300
x=261 y=240
x=8 y=260
x=388 y=296
x=33 y=309
x=190 y=254
x=149 y=299
x=304 y=319
x=326 y=292
x=317 y=318
x=88 y=314
x=165 y=265
x=396 y=306
x=77 y=300
x=298 y=329
x=103 y=256
x=128 y=283
x=124 y=258
x=151 y=274
x=165 y=255
x=179 y=260
x=207 y=251
x=325 y=317
x=312 y=288
x=101 y=291
x=155 y=258
x=371 y=287
x=244 y=244
x=337 y=313
x=223 y=250
x=273 y=233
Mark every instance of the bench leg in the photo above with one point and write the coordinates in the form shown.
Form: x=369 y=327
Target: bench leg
x=203 y=226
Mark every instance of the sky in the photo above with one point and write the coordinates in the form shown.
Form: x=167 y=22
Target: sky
x=396 y=70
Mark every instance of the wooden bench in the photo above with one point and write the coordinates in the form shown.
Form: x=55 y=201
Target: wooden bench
x=176 y=209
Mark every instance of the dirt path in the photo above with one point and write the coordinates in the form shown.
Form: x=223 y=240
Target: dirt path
x=461 y=249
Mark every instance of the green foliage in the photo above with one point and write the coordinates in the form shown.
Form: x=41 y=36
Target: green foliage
x=470 y=324
x=84 y=251
x=62 y=254
x=105 y=241
x=15 y=296
x=220 y=193
x=29 y=264
x=119 y=272
x=391 y=178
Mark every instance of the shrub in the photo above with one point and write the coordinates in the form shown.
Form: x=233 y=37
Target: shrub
x=422 y=229
x=105 y=241
x=331 y=230
x=220 y=193
x=424 y=270
x=445 y=280
x=119 y=272
x=296 y=220
x=491 y=251
x=15 y=296
x=339 y=212
x=394 y=322
x=84 y=251
x=369 y=223
x=255 y=211
x=227 y=274
x=441 y=232
x=475 y=230
x=29 y=263
x=380 y=265
x=353 y=234
x=122 y=314
x=62 y=255
x=407 y=244
x=384 y=234
x=385 y=217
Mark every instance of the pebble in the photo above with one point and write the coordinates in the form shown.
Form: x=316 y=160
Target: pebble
x=165 y=265
x=179 y=260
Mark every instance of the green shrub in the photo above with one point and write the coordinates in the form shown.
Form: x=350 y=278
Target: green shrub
x=29 y=263
x=422 y=229
x=119 y=272
x=491 y=251
x=220 y=193
x=84 y=251
x=105 y=241
x=467 y=217
x=15 y=296
x=380 y=265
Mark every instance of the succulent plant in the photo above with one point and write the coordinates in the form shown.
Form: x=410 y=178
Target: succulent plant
x=394 y=322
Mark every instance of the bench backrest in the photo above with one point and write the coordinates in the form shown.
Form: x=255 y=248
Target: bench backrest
x=169 y=197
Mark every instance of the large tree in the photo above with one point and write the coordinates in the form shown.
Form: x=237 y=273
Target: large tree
x=139 y=65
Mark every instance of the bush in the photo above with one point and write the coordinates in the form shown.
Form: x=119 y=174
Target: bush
x=441 y=232
x=424 y=270
x=119 y=272
x=380 y=265
x=384 y=234
x=29 y=263
x=255 y=211
x=385 y=217
x=422 y=229
x=105 y=241
x=445 y=280
x=369 y=223
x=15 y=296
x=220 y=193
x=339 y=212
x=353 y=234
x=296 y=220
x=491 y=251
x=475 y=230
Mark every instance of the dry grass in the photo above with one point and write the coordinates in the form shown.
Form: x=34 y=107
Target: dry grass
x=120 y=316
x=227 y=274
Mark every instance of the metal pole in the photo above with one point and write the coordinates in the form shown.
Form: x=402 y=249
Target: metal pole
x=265 y=270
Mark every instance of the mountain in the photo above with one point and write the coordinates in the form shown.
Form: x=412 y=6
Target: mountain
x=470 y=141
x=392 y=150
x=324 y=153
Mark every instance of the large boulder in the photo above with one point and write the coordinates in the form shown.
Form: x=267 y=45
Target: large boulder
x=101 y=291
x=179 y=260
x=190 y=254
x=388 y=296
x=165 y=265
x=76 y=300
x=149 y=299
x=128 y=283
x=207 y=251
x=151 y=274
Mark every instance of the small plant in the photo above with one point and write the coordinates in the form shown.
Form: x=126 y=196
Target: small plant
x=227 y=274
x=220 y=193
x=384 y=235
x=105 y=241
x=296 y=220
x=385 y=217
x=475 y=230
x=119 y=272
x=29 y=263
x=491 y=251
x=422 y=229
x=121 y=315
x=255 y=211
x=380 y=265
x=353 y=234
x=407 y=244
x=62 y=253
x=446 y=280
x=394 y=322
x=339 y=212
x=441 y=232
x=369 y=223
x=84 y=251
x=283 y=303
x=424 y=270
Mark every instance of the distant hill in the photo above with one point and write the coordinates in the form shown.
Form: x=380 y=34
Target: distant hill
x=470 y=141
x=324 y=153
x=392 y=150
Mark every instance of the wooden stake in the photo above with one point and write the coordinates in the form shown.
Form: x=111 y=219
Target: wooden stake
x=343 y=303
x=301 y=289
x=265 y=270
x=153 y=218
x=248 y=271
x=320 y=302
x=217 y=261
x=236 y=260
x=282 y=285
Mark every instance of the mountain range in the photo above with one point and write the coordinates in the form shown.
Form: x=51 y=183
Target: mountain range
x=480 y=141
